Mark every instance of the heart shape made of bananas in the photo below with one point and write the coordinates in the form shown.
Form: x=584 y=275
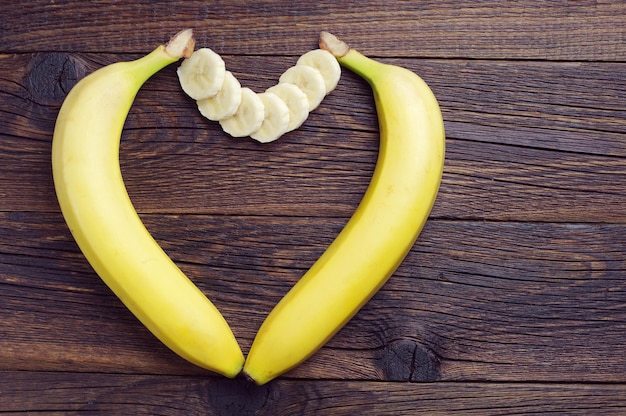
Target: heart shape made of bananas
x=376 y=239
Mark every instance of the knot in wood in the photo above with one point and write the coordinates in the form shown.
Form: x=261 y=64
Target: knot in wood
x=408 y=360
x=237 y=397
x=52 y=75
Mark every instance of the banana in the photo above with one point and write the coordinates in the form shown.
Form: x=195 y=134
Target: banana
x=225 y=103
x=325 y=62
x=275 y=120
x=309 y=80
x=297 y=103
x=249 y=115
x=382 y=230
x=202 y=74
x=108 y=230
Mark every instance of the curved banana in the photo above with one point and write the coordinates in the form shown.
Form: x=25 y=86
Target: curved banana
x=382 y=230
x=100 y=215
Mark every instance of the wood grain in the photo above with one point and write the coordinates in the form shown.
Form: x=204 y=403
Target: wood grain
x=546 y=305
x=76 y=393
x=513 y=300
x=563 y=161
x=581 y=30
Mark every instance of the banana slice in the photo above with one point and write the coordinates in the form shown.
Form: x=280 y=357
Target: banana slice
x=275 y=121
x=249 y=115
x=309 y=80
x=324 y=62
x=296 y=101
x=225 y=103
x=202 y=74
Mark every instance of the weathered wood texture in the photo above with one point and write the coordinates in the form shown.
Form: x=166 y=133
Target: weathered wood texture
x=527 y=29
x=519 y=147
x=489 y=301
x=513 y=300
x=171 y=395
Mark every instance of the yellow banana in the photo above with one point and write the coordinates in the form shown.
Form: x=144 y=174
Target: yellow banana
x=382 y=230
x=101 y=217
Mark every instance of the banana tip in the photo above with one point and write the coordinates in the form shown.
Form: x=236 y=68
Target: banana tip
x=181 y=44
x=332 y=44
x=249 y=378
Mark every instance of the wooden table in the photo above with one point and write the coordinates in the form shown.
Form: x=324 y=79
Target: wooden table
x=513 y=300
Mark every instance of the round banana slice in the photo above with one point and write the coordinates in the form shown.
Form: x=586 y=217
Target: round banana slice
x=275 y=121
x=225 y=103
x=324 y=62
x=309 y=80
x=202 y=74
x=249 y=115
x=296 y=101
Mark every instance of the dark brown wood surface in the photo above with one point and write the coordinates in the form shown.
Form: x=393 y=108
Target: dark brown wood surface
x=513 y=300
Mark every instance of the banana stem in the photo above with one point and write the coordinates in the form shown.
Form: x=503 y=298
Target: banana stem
x=332 y=44
x=349 y=57
x=181 y=44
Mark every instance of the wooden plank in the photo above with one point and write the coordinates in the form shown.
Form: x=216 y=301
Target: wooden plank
x=552 y=30
x=77 y=393
x=563 y=160
x=472 y=301
x=513 y=301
